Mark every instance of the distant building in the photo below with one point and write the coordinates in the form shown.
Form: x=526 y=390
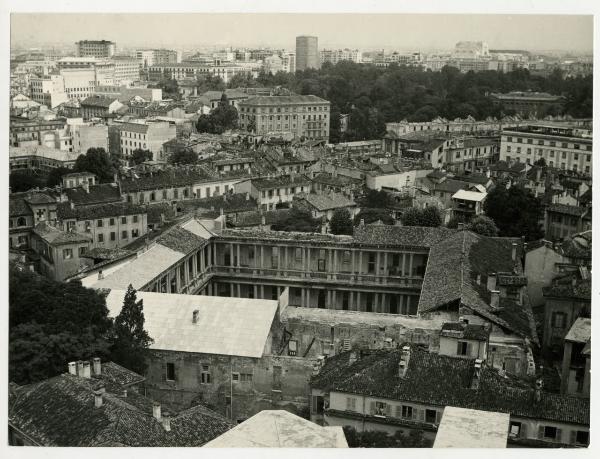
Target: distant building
x=96 y=48
x=40 y=158
x=289 y=62
x=275 y=191
x=127 y=70
x=575 y=377
x=146 y=136
x=98 y=106
x=528 y=103
x=338 y=55
x=324 y=205
x=307 y=53
x=471 y=49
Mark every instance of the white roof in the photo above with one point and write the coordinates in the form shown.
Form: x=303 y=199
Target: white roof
x=141 y=270
x=196 y=227
x=279 y=429
x=42 y=152
x=226 y=326
x=580 y=331
x=464 y=428
x=469 y=195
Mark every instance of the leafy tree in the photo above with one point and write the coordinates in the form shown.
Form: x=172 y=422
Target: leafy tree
x=341 y=222
x=55 y=176
x=516 y=212
x=455 y=220
x=374 y=215
x=380 y=439
x=209 y=83
x=376 y=199
x=96 y=161
x=183 y=156
x=220 y=119
x=242 y=80
x=139 y=156
x=483 y=225
x=540 y=162
x=411 y=217
x=24 y=181
x=169 y=86
x=297 y=220
x=429 y=216
x=131 y=341
x=52 y=323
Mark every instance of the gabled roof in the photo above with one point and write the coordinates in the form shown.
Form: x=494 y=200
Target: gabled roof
x=323 y=202
x=266 y=183
x=225 y=326
x=440 y=380
x=469 y=195
x=56 y=237
x=17 y=207
x=117 y=209
x=580 y=331
x=98 y=194
x=414 y=236
x=98 y=101
x=568 y=210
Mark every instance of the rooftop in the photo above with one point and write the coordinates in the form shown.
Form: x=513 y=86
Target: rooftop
x=465 y=428
x=268 y=183
x=56 y=237
x=117 y=209
x=225 y=326
x=283 y=100
x=280 y=429
x=581 y=331
x=469 y=195
x=328 y=201
x=103 y=193
x=98 y=101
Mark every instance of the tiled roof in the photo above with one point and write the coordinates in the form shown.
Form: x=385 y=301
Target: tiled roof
x=329 y=201
x=440 y=380
x=17 y=206
x=567 y=210
x=450 y=185
x=265 y=183
x=117 y=209
x=229 y=203
x=580 y=331
x=339 y=180
x=283 y=100
x=255 y=218
x=60 y=411
x=98 y=101
x=54 y=236
x=578 y=246
x=504 y=166
x=98 y=194
x=465 y=331
x=180 y=240
x=164 y=179
x=225 y=326
x=564 y=288
x=414 y=236
x=39 y=198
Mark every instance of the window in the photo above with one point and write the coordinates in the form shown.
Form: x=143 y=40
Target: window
x=99 y=223
x=515 y=429
x=170 y=372
x=462 y=348
x=205 y=377
x=175 y=193
x=346 y=257
x=318 y=404
x=113 y=236
x=558 y=320
x=350 y=404
x=67 y=254
x=292 y=347
x=430 y=416
x=82 y=250
x=550 y=432
x=112 y=222
x=124 y=234
x=235 y=377
x=508 y=149
x=275 y=257
x=298 y=254
x=407 y=412
x=100 y=237
x=135 y=233
x=381 y=409
x=321 y=266
x=582 y=437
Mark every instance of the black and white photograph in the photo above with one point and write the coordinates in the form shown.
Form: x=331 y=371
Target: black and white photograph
x=294 y=228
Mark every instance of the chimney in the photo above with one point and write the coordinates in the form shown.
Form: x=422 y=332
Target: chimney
x=495 y=301
x=80 y=368
x=539 y=383
x=86 y=187
x=247 y=196
x=352 y=358
x=72 y=205
x=362 y=222
x=98 y=398
x=477 y=374
x=156 y=411
x=195 y=316
x=403 y=364
x=221 y=212
x=478 y=279
x=73 y=368
x=100 y=275
x=97 y=366
x=491 y=281
x=166 y=421
x=324 y=228
x=86 y=370
x=514 y=251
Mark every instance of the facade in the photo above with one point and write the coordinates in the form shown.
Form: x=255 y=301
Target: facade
x=575 y=377
x=147 y=136
x=98 y=106
x=302 y=116
x=48 y=90
x=468 y=204
x=270 y=192
x=186 y=70
x=96 y=48
x=471 y=154
x=127 y=70
x=565 y=148
x=338 y=55
x=324 y=205
x=40 y=158
x=562 y=220
x=307 y=53
x=528 y=103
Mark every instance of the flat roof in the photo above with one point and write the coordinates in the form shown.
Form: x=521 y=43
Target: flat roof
x=225 y=326
x=469 y=195
x=465 y=428
x=580 y=331
x=279 y=429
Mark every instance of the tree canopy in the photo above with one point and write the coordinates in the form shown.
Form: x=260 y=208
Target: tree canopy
x=483 y=225
x=138 y=156
x=130 y=340
x=375 y=199
x=221 y=118
x=169 y=86
x=297 y=220
x=429 y=216
x=55 y=176
x=515 y=211
x=24 y=181
x=341 y=222
x=98 y=162
x=183 y=156
x=381 y=439
x=374 y=215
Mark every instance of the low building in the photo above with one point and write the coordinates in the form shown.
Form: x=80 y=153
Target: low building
x=575 y=377
x=99 y=106
x=460 y=339
x=465 y=428
x=528 y=103
x=562 y=220
x=40 y=158
x=468 y=204
x=324 y=205
x=270 y=192
x=409 y=389
x=146 y=136
x=279 y=429
x=104 y=402
x=77 y=179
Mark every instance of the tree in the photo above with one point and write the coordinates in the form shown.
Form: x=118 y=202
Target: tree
x=380 y=439
x=220 y=119
x=374 y=215
x=341 y=222
x=483 y=225
x=183 y=156
x=55 y=176
x=139 y=156
x=516 y=212
x=540 y=162
x=24 y=181
x=297 y=220
x=96 y=161
x=131 y=341
x=52 y=323
x=411 y=217
x=455 y=220
x=169 y=87
x=429 y=216
x=376 y=199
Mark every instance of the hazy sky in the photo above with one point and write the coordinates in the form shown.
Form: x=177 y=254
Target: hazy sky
x=401 y=31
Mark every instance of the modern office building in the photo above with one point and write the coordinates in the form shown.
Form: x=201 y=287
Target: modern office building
x=307 y=53
x=96 y=48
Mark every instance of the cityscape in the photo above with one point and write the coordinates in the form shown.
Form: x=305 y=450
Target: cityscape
x=292 y=240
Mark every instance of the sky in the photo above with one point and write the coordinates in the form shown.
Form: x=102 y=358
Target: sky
x=365 y=31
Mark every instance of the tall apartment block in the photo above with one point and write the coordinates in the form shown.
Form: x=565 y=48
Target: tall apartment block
x=307 y=53
x=96 y=48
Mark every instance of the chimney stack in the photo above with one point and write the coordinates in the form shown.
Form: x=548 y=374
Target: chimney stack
x=98 y=398
x=86 y=186
x=156 y=411
x=403 y=364
x=352 y=358
x=80 y=368
x=97 y=366
x=539 y=383
x=362 y=222
x=73 y=368
x=495 y=302
x=514 y=251
x=478 y=279
x=491 y=282
x=166 y=421
x=247 y=196
x=86 y=370
x=100 y=275
x=195 y=316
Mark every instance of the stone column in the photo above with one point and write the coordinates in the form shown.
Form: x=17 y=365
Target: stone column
x=358 y=305
x=255 y=264
x=231 y=290
x=410 y=264
x=238 y=256
x=262 y=291
x=308 y=298
x=262 y=257
x=231 y=263
x=239 y=290
x=255 y=289
x=383 y=306
x=404 y=264
x=302 y=297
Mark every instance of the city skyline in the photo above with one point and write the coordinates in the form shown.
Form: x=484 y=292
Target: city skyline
x=540 y=32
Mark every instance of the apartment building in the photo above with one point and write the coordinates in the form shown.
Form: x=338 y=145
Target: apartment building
x=567 y=148
x=302 y=116
x=272 y=192
x=48 y=90
x=186 y=70
x=528 y=103
x=126 y=70
x=307 y=52
x=96 y=48
x=337 y=55
x=471 y=154
x=146 y=136
x=98 y=106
